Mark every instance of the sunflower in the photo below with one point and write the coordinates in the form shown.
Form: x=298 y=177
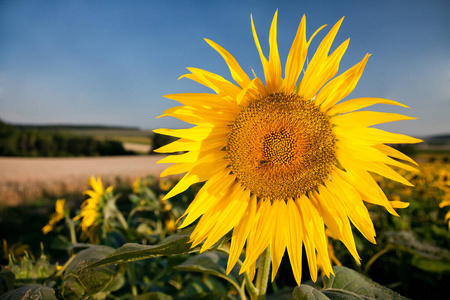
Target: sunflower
x=91 y=209
x=285 y=160
x=56 y=217
x=444 y=185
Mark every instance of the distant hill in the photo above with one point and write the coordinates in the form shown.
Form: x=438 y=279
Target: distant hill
x=438 y=139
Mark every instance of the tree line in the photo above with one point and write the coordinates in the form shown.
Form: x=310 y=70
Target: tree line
x=15 y=141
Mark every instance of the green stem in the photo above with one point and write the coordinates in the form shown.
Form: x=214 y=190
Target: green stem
x=375 y=257
x=263 y=274
x=71 y=225
x=131 y=276
x=248 y=283
x=121 y=218
x=252 y=291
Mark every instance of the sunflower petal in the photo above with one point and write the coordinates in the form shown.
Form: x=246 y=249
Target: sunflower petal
x=237 y=73
x=296 y=58
x=358 y=103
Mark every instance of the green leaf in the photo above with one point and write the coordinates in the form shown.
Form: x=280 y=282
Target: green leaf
x=173 y=245
x=349 y=284
x=407 y=241
x=80 y=282
x=430 y=265
x=153 y=296
x=307 y=292
x=425 y=256
x=213 y=263
x=6 y=281
x=34 y=291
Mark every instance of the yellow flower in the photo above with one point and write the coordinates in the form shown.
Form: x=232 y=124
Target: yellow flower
x=165 y=184
x=136 y=185
x=444 y=185
x=92 y=207
x=283 y=161
x=56 y=217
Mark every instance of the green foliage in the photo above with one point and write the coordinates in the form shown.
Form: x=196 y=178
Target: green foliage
x=346 y=284
x=148 y=259
x=80 y=282
x=15 y=141
x=173 y=245
x=34 y=291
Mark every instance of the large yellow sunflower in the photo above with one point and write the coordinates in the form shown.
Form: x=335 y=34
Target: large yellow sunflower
x=283 y=161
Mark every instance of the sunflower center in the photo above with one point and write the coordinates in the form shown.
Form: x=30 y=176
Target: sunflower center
x=278 y=147
x=281 y=146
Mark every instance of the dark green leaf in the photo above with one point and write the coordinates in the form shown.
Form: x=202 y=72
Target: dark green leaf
x=425 y=256
x=34 y=291
x=6 y=281
x=153 y=296
x=349 y=284
x=430 y=265
x=307 y=292
x=80 y=282
x=173 y=245
x=407 y=241
x=213 y=263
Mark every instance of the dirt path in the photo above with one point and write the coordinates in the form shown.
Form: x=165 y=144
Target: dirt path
x=22 y=178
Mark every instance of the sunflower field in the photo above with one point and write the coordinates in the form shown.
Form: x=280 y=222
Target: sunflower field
x=134 y=250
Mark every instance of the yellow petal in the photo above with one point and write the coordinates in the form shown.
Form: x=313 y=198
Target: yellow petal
x=273 y=79
x=237 y=73
x=240 y=234
x=333 y=211
x=322 y=67
x=212 y=192
x=201 y=115
x=200 y=172
x=295 y=240
x=367 y=118
x=296 y=58
x=230 y=212
x=264 y=61
x=394 y=153
x=399 y=204
x=252 y=91
x=179 y=145
x=358 y=103
x=348 y=162
x=341 y=86
x=278 y=238
x=373 y=136
x=259 y=237
x=203 y=99
x=215 y=82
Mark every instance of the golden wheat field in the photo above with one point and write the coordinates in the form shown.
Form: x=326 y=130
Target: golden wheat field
x=26 y=178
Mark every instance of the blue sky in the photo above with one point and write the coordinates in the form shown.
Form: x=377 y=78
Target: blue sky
x=110 y=62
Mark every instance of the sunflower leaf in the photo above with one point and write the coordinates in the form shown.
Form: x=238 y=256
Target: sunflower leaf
x=80 y=282
x=349 y=284
x=307 y=292
x=34 y=291
x=213 y=263
x=173 y=245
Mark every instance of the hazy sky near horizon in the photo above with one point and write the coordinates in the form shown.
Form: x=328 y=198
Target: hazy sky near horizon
x=111 y=62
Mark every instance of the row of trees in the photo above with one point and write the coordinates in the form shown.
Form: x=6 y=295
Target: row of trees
x=45 y=143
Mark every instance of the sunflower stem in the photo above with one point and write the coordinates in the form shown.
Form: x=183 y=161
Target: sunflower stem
x=263 y=274
x=71 y=225
x=251 y=289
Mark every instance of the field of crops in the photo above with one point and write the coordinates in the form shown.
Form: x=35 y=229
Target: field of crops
x=411 y=257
